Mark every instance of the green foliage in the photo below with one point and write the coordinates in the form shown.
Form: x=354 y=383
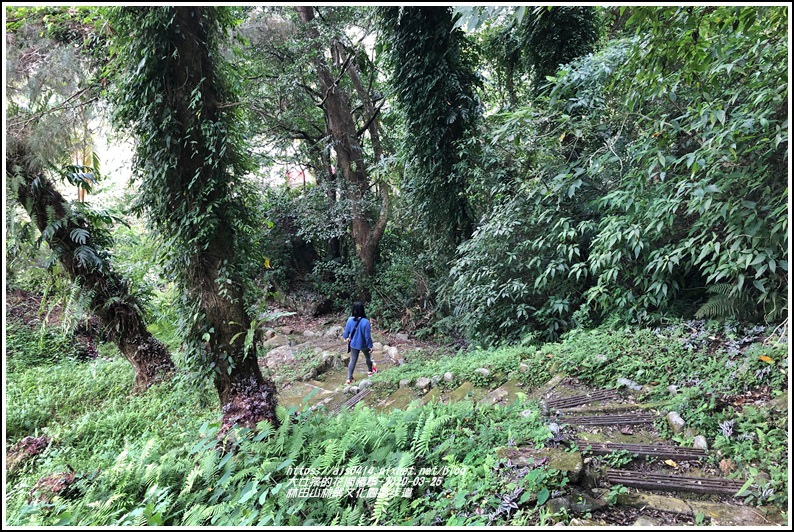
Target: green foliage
x=434 y=80
x=402 y=295
x=27 y=348
x=619 y=458
x=614 y=492
x=502 y=363
x=536 y=44
x=700 y=181
x=192 y=480
x=724 y=302
x=557 y=35
x=633 y=192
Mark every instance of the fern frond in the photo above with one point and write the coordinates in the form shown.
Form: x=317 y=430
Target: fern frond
x=195 y=516
x=407 y=460
x=209 y=466
x=719 y=306
x=420 y=423
x=191 y=479
x=400 y=433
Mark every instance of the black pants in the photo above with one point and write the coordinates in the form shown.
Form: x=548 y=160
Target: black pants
x=354 y=359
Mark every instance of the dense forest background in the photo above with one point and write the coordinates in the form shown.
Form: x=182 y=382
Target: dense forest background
x=481 y=177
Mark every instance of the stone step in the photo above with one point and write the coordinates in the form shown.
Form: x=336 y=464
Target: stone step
x=542 y=391
x=592 y=397
x=624 y=419
x=719 y=514
x=503 y=395
x=465 y=391
x=602 y=408
x=660 y=481
x=399 y=400
x=658 y=450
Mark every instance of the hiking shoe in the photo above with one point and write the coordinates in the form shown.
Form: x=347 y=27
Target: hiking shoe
x=374 y=370
x=350 y=381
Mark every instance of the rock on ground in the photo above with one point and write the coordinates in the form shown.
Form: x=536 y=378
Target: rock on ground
x=676 y=423
x=423 y=383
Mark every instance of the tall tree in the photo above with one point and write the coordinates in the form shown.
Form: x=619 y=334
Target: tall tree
x=75 y=242
x=176 y=96
x=435 y=82
x=44 y=101
x=555 y=36
x=346 y=137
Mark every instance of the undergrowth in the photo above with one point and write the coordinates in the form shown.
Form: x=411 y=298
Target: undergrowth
x=155 y=458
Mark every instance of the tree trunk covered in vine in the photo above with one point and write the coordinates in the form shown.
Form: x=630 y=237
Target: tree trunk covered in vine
x=349 y=152
x=435 y=87
x=192 y=162
x=110 y=300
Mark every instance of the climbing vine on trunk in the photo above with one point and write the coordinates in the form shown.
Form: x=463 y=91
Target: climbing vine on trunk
x=175 y=96
x=71 y=236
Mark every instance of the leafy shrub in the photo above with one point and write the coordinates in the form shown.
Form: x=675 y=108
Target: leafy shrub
x=634 y=193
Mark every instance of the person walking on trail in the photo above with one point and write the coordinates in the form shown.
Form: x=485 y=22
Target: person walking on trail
x=358 y=334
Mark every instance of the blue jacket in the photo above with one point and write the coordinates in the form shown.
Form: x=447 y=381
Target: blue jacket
x=363 y=335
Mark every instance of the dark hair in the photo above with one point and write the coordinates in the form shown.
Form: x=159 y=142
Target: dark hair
x=358 y=310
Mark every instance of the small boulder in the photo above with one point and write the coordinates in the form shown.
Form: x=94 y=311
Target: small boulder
x=559 y=504
x=351 y=390
x=401 y=336
x=287 y=330
x=576 y=503
x=423 y=383
x=435 y=379
x=276 y=341
x=675 y=422
x=334 y=330
x=309 y=334
x=582 y=503
x=672 y=389
x=628 y=383
x=646 y=521
x=700 y=443
x=448 y=376
x=401 y=361
x=377 y=346
x=331 y=360
x=405 y=383
x=570 y=463
x=269 y=333
x=311 y=374
x=523 y=368
x=363 y=385
x=483 y=371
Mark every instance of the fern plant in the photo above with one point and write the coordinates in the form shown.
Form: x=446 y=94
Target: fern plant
x=726 y=301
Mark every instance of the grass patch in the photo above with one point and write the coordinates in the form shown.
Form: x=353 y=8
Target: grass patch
x=154 y=458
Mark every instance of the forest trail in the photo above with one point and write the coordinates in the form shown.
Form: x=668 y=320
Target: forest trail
x=622 y=471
